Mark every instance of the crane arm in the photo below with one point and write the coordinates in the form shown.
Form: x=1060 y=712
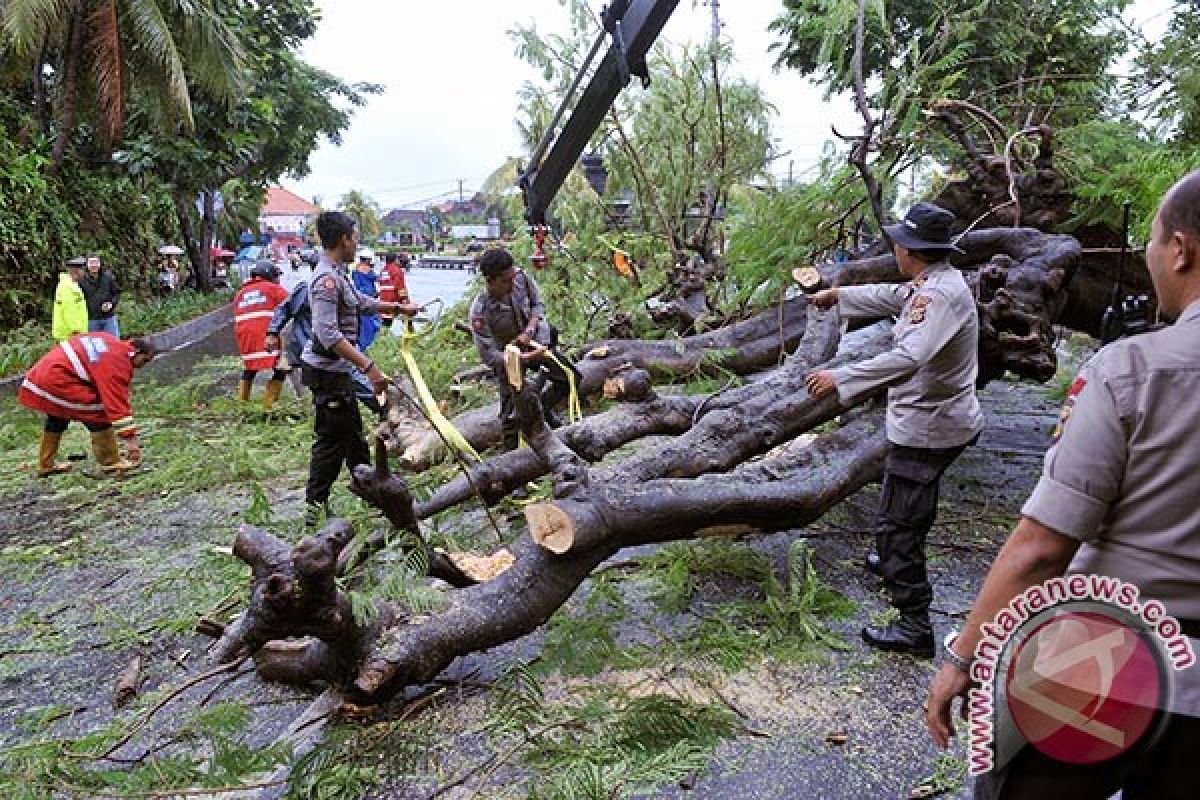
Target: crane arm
x=633 y=26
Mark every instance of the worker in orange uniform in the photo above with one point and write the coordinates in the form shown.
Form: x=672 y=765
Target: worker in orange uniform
x=392 y=286
x=86 y=379
x=253 y=307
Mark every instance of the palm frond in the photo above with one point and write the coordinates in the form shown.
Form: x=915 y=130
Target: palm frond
x=25 y=24
x=215 y=57
x=152 y=36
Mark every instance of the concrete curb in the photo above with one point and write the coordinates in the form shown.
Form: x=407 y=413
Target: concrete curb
x=166 y=341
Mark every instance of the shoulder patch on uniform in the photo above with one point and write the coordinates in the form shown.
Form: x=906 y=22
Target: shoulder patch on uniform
x=478 y=324
x=329 y=283
x=916 y=312
x=1068 y=406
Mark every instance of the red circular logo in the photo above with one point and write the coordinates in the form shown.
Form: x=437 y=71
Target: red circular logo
x=1084 y=687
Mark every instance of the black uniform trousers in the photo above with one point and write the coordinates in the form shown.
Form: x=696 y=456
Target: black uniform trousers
x=59 y=424
x=1163 y=768
x=337 y=428
x=907 y=509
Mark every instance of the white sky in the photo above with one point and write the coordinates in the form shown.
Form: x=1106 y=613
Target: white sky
x=451 y=78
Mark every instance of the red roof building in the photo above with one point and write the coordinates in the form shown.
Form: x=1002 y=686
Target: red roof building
x=285 y=216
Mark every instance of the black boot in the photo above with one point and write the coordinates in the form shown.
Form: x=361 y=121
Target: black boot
x=873 y=563
x=912 y=634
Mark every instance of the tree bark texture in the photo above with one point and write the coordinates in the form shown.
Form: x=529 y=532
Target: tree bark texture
x=753 y=344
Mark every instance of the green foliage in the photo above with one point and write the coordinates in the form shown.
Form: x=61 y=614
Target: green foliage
x=353 y=760
x=401 y=579
x=46 y=219
x=1110 y=163
x=772 y=232
x=159 y=47
x=665 y=144
x=1024 y=59
x=787 y=623
x=601 y=742
x=676 y=570
x=211 y=753
x=582 y=643
x=365 y=211
x=1168 y=84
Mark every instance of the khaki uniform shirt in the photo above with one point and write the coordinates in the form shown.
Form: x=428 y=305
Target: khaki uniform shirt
x=1123 y=476
x=336 y=305
x=932 y=369
x=495 y=323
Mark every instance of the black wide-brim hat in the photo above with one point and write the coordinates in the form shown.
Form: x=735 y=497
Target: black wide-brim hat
x=925 y=227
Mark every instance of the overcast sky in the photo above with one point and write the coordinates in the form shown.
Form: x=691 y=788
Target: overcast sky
x=451 y=78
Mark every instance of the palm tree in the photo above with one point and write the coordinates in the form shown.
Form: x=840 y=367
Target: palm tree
x=119 y=46
x=365 y=212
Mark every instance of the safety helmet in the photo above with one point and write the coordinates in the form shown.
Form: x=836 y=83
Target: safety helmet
x=265 y=269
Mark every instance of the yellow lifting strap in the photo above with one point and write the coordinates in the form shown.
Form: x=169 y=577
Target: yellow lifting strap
x=574 y=409
x=450 y=433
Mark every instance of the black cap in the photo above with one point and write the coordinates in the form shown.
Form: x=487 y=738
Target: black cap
x=77 y=261
x=925 y=227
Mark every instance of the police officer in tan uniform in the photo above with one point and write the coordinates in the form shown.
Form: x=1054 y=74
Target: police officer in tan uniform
x=1118 y=496
x=932 y=411
x=330 y=356
x=510 y=311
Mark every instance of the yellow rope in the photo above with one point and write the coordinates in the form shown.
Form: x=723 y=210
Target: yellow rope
x=574 y=408
x=444 y=426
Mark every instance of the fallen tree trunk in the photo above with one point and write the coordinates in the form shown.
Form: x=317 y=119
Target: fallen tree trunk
x=522 y=597
x=753 y=344
x=540 y=581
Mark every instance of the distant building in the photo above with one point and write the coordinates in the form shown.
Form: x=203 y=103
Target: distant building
x=284 y=218
x=477 y=206
x=413 y=219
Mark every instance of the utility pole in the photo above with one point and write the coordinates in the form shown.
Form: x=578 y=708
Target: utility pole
x=712 y=199
x=460 y=193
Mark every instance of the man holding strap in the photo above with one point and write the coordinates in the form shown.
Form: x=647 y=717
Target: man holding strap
x=329 y=357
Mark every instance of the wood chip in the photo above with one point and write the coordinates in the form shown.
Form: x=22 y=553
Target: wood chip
x=483 y=568
x=924 y=791
x=807 y=277
x=837 y=737
x=127 y=682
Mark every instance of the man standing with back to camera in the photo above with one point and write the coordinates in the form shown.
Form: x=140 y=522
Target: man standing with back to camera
x=329 y=357
x=932 y=411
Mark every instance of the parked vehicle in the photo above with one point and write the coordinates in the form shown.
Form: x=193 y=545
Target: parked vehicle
x=247 y=257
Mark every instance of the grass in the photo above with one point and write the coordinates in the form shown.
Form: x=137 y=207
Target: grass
x=21 y=347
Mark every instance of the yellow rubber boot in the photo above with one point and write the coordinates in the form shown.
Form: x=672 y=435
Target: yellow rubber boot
x=108 y=454
x=47 y=453
x=244 y=389
x=271 y=394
